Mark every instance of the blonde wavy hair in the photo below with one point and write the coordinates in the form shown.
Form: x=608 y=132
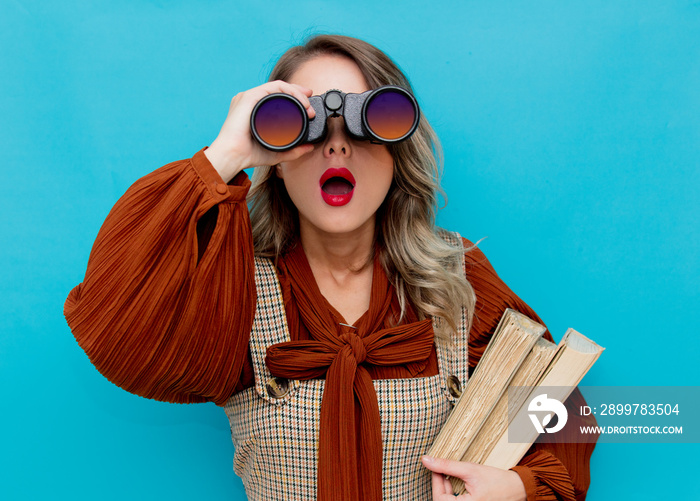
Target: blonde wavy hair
x=423 y=266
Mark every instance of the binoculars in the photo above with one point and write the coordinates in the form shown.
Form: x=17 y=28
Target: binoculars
x=385 y=115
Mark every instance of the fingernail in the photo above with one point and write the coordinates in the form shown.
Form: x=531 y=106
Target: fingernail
x=428 y=459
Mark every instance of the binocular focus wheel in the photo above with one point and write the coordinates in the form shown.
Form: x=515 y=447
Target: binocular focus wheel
x=333 y=100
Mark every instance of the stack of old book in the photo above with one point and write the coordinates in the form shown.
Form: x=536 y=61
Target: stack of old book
x=519 y=358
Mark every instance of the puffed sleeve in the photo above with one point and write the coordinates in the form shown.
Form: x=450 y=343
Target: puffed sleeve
x=549 y=471
x=165 y=311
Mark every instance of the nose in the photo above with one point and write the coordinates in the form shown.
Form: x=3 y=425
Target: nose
x=337 y=141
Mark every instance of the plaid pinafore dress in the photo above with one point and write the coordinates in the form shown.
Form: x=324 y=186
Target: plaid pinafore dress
x=274 y=425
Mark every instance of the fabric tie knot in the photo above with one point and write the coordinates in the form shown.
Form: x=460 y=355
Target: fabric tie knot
x=357 y=346
x=350 y=439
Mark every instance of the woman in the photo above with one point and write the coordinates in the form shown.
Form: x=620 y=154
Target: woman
x=333 y=334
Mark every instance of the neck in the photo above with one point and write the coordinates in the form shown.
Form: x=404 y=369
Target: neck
x=338 y=253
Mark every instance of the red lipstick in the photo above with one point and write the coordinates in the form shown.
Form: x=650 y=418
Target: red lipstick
x=337 y=186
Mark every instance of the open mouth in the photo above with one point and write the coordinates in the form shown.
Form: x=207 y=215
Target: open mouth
x=337 y=186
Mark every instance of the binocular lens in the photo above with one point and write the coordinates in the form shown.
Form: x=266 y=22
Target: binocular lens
x=279 y=120
x=390 y=115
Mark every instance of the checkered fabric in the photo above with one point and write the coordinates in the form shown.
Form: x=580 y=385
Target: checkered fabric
x=276 y=439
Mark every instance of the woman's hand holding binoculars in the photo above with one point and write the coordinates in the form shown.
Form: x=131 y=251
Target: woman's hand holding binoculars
x=235 y=149
x=275 y=123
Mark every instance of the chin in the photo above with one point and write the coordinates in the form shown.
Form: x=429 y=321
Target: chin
x=340 y=225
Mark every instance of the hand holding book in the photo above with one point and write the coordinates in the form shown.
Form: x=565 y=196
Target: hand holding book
x=482 y=482
x=519 y=358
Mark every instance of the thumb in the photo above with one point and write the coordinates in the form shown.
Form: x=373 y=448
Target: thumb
x=460 y=469
x=294 y=153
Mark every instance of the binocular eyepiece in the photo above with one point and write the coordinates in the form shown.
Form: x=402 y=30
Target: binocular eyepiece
x=388 y=114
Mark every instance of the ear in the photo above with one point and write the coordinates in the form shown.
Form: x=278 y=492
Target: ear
x=279 y=171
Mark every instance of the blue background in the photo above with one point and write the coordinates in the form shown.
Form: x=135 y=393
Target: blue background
x=571 y=133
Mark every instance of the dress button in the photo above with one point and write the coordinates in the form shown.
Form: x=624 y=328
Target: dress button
x=277 y=387
x=221 y=188
x=454 y=386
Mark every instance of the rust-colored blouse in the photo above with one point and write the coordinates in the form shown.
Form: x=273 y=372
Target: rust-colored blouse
x=168 y=300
